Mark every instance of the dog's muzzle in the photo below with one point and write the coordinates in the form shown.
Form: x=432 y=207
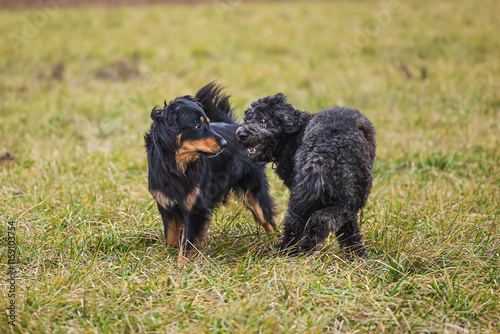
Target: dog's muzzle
x=242 y=135
x=222 y=143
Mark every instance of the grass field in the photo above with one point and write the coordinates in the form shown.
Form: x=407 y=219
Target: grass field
x=75 y=97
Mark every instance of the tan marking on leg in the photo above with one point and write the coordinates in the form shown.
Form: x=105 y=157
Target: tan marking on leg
x=191 y=198
x=202 y=242
x=175 y=228
x=181 y=260
x=255 y=208
x=163 y=200
x=185 y=256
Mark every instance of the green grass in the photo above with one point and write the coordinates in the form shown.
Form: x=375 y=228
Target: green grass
x=75 y=102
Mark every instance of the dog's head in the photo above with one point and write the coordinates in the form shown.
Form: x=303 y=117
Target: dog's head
x=181 y=133
x=267 y=121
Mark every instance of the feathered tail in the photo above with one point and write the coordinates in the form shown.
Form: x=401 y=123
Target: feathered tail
x=215 y=103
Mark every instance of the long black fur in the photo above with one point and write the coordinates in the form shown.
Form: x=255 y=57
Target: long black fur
x=175 y=185
x=326 y=161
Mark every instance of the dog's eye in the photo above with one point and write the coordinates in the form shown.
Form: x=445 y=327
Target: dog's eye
x=197 y=126
x=263 y=121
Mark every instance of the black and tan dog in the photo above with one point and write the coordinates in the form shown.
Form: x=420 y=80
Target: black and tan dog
x=326 y=161
x=194 y=163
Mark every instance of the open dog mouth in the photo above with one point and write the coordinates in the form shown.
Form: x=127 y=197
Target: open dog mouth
x=209 y=154
x=255 y=149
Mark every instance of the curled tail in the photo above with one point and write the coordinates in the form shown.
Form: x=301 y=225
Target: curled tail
x=313 y=186
x=215 y=103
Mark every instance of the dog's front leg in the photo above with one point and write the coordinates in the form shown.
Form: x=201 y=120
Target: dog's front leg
x=172 y=226
x=195 y=226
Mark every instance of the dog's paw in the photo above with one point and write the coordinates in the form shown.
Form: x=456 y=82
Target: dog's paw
x=286 y=247
x=182 y=261
x=281 y=243
x=363 y=254
x=311 y=248
x=278 y=242
x=360 y=254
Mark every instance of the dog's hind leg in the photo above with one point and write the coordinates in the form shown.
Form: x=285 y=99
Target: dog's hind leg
x=260 y=206
x=255 y=196
x=333 y=219
x=310 y=191
x=350 y=239
x=293 y=225
x=319 y=226
x=297 y=216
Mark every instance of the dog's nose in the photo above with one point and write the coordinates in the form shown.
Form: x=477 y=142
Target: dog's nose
x=223 y=143
x=243 y=135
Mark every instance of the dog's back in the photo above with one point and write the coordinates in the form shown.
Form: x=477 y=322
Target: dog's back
x=350 y=123
x=338 y=151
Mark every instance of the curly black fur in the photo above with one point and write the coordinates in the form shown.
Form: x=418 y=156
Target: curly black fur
x=195 y=163
x=326 y=161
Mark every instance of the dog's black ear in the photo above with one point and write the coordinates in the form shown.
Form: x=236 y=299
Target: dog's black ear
x=156 y=114
x=280 y=98
x=277 y=101
x=164 y=114
x=292 y=119
x=161 y=143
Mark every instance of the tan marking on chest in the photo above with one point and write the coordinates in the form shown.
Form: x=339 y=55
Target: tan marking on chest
x=188 y=152
x=185 y=155
x=162 y=199
x=191 y=198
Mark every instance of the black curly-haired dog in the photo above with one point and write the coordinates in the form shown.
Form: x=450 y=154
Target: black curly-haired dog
x=326 y=161
x=194 y=163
